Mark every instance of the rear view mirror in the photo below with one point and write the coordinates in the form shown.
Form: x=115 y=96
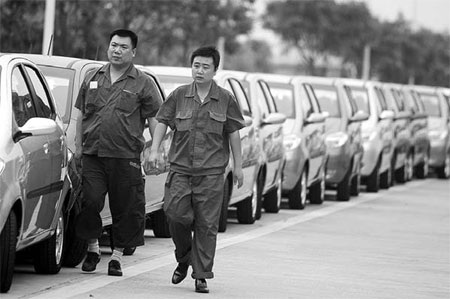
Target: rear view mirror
x=273 y=119
x=248 y=121
x=387 y=114
x=316 y=118
x=359 y=116
x=36 y=126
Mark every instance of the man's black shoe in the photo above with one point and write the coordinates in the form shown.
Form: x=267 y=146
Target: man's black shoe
x=201 y=286
x=114 y=268
x=90 y=262
x=180 y=273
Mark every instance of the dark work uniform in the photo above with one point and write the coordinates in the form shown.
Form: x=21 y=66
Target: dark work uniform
x=198 y=156
x=113 y=123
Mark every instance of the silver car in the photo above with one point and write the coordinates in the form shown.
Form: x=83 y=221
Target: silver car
x=304 y=140
x=343 y=135
x=34 y=186
x=436 y=102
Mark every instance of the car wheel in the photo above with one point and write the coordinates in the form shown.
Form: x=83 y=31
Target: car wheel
x=246 y=209
x=74 y=247
x=443 y=172
x=401 y=174
x=159 y=224
x=409 y=167
x=386 y=179
x=259 y=201
x=423 y=168
x=272 y=200
x=343 y=188
x=48 y=254
x=224 y=211
x=355 y=185
x=317 y=191
x=297 y=196
x=373 y=180
x=8 y=241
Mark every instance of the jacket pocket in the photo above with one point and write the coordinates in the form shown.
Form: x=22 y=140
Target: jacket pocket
x=183 y=120
x=127 y=101
x=216 y=122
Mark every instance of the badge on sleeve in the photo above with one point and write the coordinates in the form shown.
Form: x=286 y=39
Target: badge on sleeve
x=93 y=85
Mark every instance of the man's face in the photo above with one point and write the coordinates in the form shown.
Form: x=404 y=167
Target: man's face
x=120 y=51
x=203 y=69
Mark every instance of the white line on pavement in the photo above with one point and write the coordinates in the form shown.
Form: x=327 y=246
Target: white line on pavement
x=223 y=242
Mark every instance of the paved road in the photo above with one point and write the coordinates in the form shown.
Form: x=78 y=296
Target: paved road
x=393 y=244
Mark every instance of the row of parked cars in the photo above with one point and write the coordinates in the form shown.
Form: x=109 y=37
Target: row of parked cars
x=303 y=135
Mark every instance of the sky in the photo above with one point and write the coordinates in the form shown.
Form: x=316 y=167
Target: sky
x=430 y=14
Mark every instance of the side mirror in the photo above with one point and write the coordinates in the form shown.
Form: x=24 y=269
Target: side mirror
x=248 y=121
x=273 y=119
x=359 y=116
x=316 y=118
x=387 y=114
x=36 y=126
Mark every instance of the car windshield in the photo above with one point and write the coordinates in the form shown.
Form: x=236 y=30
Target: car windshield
x=431 y=104
x=327 y=97
x=60 y=81
x=170 y=83
x=360 y=98
x=283 y=95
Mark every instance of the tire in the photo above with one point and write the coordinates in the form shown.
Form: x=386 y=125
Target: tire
x=259 y=202
x=297 y=196
x=401 y=175
x=246 y=209
x=386 y=179
x=159 y=224
x=74 y=247
x=48 y=254
x=343 y=188
x=223 y=220
x=443 y=172
x=409 y=167
x=8 y=241
x=373 y=180
x=272 y=200
x=423 y=168
x=317 y=191
x=355 y=184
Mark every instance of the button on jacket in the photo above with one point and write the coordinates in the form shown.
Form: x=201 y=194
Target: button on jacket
x=114 y=114
x=201 y=141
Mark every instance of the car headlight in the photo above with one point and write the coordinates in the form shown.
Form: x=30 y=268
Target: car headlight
x=291 y=142
x=2 y=166
x=367 y=136
x=437 y=135
x=336 y=139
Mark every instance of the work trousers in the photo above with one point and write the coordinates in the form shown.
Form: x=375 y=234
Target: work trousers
x=122 y=180
x=192 y=205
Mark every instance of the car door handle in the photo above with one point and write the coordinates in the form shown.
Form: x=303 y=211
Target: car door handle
x=45 y=146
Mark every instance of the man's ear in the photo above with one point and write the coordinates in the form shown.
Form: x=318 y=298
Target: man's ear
x=134 y=52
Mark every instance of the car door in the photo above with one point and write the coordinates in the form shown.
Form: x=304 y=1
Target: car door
x=271 y=135
x=249 y=145
x=41 y=179
x=314 y=132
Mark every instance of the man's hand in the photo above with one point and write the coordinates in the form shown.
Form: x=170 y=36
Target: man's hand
x=151 y=162
x=238 y=177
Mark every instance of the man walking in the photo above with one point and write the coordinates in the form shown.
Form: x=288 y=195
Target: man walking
x=114 y=103
x=206 y=120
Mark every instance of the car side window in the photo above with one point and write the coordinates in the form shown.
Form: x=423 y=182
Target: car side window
x=307 y=106
x=22 y=103
x=399 y=99
x=42 y=101
x=381 y=99
x=269 y=97
x=359 y=97
x=262 y=100
x=328 y=99
x=236 y=88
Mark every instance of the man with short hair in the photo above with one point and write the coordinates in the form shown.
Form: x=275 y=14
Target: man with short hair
x=206 y=120
x=114 y=102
